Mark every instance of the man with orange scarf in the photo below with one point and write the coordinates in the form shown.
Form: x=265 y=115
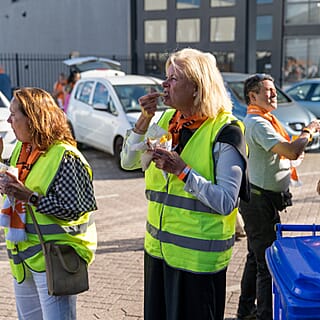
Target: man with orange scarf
x=270 y=152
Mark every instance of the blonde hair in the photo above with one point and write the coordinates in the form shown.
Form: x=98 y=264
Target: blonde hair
x=200 y=67
x=48 y=123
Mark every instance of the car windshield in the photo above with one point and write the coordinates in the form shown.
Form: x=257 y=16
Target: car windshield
x=129 y=95
x=237 y=89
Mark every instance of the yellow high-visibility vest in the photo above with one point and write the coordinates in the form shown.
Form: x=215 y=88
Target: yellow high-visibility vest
x=181 y=230
x=80 y=234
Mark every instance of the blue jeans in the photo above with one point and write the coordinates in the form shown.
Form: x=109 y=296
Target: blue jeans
x=33 y=301
x=260 y=217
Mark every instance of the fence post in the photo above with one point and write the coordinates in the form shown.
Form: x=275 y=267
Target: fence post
x=17 y=70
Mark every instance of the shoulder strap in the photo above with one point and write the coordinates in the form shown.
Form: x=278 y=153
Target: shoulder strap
x=233 y=135
x=37 y=228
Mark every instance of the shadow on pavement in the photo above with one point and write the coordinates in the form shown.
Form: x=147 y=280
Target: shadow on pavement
x=123 y=245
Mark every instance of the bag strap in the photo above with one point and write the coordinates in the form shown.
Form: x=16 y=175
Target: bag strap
x=37 y=228
x=63 y=262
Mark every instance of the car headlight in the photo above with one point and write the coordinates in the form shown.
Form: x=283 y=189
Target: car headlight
x=297 y=126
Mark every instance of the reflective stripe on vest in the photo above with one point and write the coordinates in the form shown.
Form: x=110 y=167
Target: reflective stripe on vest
x=23 y=255
x=177 y=201
x=56 y=229
x=191 y=243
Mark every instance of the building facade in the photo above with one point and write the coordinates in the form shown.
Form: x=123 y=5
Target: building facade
x=281 y=37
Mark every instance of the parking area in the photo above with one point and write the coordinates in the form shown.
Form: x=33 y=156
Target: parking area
x=116 y=276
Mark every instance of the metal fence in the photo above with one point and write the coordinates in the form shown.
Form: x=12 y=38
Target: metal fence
x=42 y=70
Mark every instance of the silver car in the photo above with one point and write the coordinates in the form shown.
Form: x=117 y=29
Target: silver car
x=307 y=94
x=292 y=116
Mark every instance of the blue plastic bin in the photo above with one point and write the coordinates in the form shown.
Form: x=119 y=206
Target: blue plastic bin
x=294 y=264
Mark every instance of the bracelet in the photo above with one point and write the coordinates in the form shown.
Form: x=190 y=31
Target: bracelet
x=184 y=172
x=307 y=130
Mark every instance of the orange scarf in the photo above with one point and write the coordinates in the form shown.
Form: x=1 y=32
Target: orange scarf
x=13 y=213
x=179 y=121
x=252 y=109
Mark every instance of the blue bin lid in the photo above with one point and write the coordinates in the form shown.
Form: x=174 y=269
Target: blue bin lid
x=296 y=264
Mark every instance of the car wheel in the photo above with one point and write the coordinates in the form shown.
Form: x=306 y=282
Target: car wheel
x=80 y=145
x=117 y=150
x=71 y=129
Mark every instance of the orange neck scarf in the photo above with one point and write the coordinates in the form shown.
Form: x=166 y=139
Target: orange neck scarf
x=252 y=109
x=26 y=160
x=13 y=213
x=179 y=121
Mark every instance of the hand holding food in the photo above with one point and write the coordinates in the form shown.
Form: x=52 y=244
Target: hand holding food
x=149 y=104
x=168 y=161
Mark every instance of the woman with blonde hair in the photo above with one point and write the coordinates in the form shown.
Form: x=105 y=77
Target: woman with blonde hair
x=53 y=180
x=192 y=189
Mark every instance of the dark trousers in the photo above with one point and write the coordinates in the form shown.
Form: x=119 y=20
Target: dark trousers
x=260 y=217
x=172 y=294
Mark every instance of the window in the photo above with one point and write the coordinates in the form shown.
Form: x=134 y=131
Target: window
x=188 y=30
x=129 y=95
x=222 y=3
x=154 y=63
x=86 y=89
x=316 y=94
x=155 y=31
x=302 y=58
x=263 y=61
x=300 y=92
x=264 y=28
x=187 y=4
x=225 y=61
x=302 y=12
x=222 y=29
x=264 y=1
x=101 y=94
x=150 y=5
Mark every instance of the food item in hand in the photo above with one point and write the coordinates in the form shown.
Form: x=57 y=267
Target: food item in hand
x=3 y=168
x=161 y=142
x=165 y=138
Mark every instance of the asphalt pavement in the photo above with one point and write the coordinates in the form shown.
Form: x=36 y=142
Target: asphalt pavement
x=116 y=276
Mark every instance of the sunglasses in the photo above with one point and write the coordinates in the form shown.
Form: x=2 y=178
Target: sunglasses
x=253 y=81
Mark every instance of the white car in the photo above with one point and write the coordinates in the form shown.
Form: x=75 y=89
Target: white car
x=6 y=131
x=101 y=109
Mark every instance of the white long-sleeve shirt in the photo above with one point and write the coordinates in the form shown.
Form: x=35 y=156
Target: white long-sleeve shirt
x=221 y=196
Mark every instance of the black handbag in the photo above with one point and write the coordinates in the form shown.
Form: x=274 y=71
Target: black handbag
x=66 y=271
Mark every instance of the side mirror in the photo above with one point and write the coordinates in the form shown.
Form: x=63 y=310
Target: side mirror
x=100 y=106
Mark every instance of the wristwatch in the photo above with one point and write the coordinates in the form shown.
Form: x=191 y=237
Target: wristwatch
x=33 y=199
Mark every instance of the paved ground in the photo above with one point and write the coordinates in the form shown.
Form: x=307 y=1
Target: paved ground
x=116 y=276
